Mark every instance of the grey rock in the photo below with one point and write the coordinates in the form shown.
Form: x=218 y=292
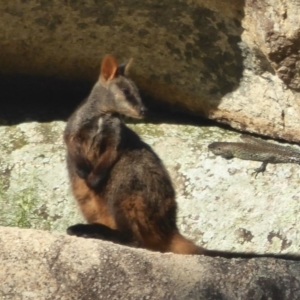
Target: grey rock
x=40 y=265
x=232 y=61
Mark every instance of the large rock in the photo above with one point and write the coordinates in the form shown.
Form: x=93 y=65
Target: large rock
x=39 y=265
x=221 y=205
x=232 y=61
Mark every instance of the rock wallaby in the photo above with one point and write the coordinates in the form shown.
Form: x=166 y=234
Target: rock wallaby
x=122 y=187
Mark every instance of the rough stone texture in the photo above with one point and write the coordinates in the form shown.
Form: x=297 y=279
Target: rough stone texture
x=234 y=61
x=34 y=190
x=39 y=265
x=221 y=205
x=276 y=25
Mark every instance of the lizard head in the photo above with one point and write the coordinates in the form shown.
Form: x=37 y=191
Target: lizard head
x=219 y=148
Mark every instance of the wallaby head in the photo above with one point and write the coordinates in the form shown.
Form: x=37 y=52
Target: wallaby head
x=121 y=94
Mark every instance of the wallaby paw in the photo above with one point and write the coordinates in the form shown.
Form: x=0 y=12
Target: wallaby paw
x=82 y=173
x=95 y=181
x=83 y=167
x=83 y=170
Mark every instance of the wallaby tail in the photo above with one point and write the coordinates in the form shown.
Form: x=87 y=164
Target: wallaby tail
x=181 y=245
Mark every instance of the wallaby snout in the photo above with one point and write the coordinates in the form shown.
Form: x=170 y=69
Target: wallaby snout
x=138 y=112
x=143 y=111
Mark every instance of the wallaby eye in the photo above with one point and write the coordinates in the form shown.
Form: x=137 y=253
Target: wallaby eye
x=125 y=91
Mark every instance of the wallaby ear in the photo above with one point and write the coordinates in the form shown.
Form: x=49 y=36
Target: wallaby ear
x=123 y=69
x=109 y=68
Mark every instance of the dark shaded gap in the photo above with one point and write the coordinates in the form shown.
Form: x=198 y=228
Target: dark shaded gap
x=40 y=99
x=46 y=99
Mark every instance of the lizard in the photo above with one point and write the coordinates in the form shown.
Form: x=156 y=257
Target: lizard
x=256 y=150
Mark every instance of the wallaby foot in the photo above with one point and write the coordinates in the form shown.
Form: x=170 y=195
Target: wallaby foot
x=102 y=232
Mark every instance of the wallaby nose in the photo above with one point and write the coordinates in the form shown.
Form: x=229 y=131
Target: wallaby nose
x=143 y=111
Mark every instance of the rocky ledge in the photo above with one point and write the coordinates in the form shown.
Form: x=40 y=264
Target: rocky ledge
x=41 y=265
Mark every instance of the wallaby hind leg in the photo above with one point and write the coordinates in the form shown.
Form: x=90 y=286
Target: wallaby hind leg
x=154 y=230
x=133 y=215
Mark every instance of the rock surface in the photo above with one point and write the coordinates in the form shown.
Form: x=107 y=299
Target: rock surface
x=40 y=265
x=221 y=205
x=233 y=61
